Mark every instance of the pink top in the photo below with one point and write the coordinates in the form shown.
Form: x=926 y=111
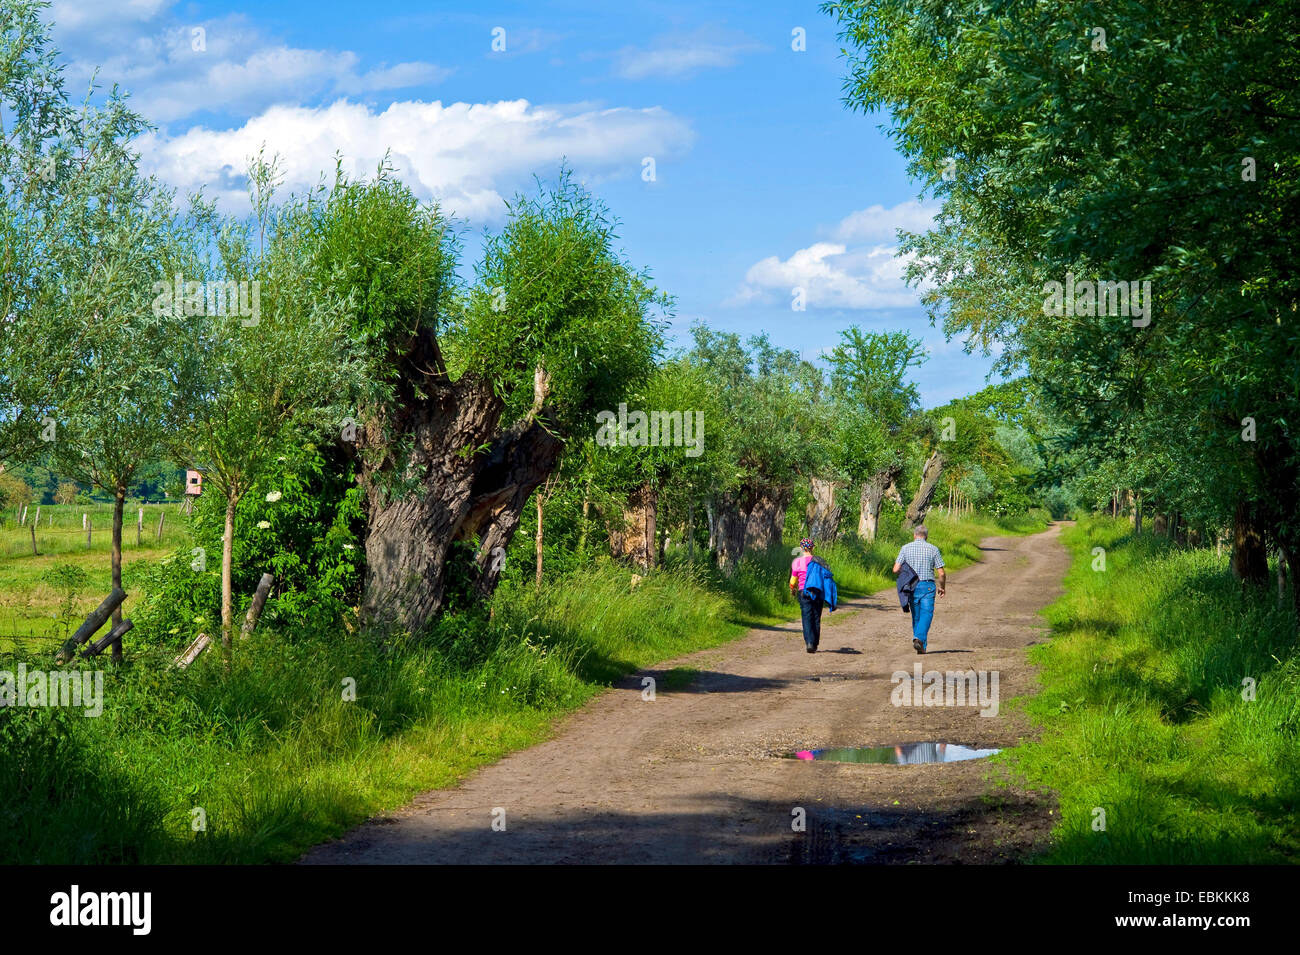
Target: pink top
x=799 y=569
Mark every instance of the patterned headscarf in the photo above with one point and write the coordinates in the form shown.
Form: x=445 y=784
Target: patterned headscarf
x=806 y=543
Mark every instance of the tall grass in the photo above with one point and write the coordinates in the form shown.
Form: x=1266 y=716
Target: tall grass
x=1147 y=712
x=310 y=733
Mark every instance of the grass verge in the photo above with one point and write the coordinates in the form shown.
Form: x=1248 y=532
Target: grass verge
x=1170 y=708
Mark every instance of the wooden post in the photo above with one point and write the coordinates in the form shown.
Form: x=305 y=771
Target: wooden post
x=23 y=520
x=33 y=530
x=255 y=608
x=113 y=636
x=139 y=526
x=83 y=520
x=161 y=515
x=89 y=528
x=91 y=624
x=191 y=653
x=38 y=515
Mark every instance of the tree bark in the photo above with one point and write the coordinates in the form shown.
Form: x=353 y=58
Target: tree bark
x=114 y=637
x=1249 y=556
x=873 y=493
x=472 y=479
x=635 y=538
x=765 y=517
x=824 y=510
x=728 y=531
x=930 y=475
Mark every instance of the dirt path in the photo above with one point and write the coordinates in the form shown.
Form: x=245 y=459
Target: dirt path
x=695 y=775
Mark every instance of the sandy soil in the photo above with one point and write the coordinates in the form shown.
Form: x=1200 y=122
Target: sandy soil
x=697 y=774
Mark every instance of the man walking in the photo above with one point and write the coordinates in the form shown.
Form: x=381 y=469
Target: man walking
x=924 y=558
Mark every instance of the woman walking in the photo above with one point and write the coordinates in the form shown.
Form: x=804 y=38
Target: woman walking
x=810 y=599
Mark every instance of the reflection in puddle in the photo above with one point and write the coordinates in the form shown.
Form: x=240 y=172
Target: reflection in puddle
x=903 y=754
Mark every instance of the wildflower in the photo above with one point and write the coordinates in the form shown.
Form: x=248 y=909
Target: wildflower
x=273 y=497
x=263 y=524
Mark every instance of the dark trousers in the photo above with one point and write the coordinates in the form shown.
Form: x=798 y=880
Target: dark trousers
x=810 y=606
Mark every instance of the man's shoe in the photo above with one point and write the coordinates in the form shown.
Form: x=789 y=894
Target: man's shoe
x=917 y=645
x=811 y=649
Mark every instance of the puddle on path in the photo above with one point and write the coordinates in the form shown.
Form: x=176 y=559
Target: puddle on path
x=900 y=755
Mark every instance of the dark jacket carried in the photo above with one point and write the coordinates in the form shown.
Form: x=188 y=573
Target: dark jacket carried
x=907 y=581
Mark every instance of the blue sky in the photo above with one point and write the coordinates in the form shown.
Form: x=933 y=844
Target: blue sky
x=763 y=181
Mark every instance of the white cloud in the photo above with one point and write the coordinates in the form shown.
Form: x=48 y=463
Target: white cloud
x=878 y=224
x=839 y=274
x=83 y=14
x=150 y=52
x=466 y=155
x=681 y=56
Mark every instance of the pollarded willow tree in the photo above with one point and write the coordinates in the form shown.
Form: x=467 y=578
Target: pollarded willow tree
x=474 y=393
x=656 y=473
x=873 y=410
x=770 y=429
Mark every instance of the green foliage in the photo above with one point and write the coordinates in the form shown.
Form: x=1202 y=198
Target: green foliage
x=13 y=490
x=70 y=580
x=552 y=293
x=1054 y=154
x=768 y=428
x=311 y=542
x=178 y=600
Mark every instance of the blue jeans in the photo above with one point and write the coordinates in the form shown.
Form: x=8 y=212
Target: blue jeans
x=922 y=609
x=810 y=607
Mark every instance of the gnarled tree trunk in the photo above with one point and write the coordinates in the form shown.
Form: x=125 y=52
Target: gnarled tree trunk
x=824 y=510
x=930 y=475
x=728 y=531
x=765 y=517
x=1249 y=556
x=635 y=538
x=873 y=494
x=460 y=492
x=752 y=518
